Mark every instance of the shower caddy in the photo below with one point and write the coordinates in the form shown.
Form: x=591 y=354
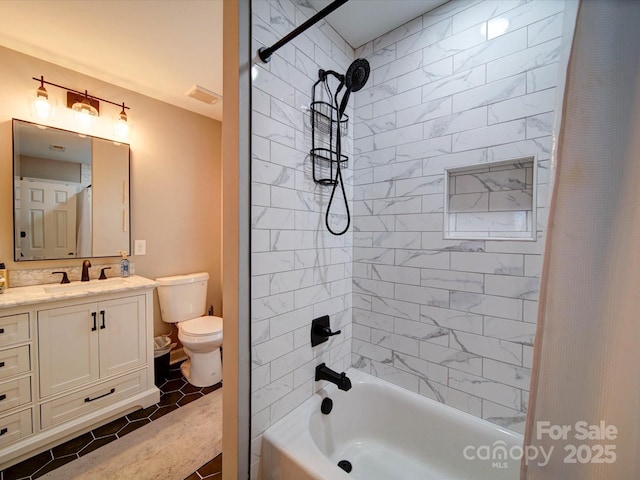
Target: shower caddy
x=325 y=129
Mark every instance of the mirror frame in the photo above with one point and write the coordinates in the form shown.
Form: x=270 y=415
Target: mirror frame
x=13 y=193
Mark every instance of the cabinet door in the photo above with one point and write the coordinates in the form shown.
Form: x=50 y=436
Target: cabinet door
x=67 y=347
x=122 y=329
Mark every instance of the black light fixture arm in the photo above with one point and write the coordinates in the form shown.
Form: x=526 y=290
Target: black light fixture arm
x=84 y=94
x=265 y=53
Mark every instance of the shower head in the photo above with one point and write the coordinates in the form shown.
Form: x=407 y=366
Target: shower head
x=357 y=74
x=355 y=78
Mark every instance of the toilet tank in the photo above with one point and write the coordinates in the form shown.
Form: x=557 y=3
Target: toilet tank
x=182 y=297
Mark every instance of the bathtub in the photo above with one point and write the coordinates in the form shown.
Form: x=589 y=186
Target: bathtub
x=386 y=433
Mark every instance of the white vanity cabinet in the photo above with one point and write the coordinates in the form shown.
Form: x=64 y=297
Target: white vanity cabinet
x=72 y=361
x=87 y=342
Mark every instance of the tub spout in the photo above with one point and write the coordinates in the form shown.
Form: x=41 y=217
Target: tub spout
x=340 y=379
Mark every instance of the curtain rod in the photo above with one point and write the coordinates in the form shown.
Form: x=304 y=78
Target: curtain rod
x=265 y=53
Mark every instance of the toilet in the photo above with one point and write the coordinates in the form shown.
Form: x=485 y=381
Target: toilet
x=183 y=301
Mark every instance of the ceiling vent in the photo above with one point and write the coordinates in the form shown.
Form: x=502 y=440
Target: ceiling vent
x=203 y=95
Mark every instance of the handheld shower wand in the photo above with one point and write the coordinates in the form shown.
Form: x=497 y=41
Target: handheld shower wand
x=355 y=78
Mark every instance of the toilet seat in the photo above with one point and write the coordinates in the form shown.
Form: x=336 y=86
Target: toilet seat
x=202 y=326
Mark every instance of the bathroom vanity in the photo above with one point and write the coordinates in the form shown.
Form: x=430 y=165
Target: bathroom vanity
x=72 y=357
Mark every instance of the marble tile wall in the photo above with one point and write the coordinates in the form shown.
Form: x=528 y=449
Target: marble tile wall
x=299 y=270
x=468 y=83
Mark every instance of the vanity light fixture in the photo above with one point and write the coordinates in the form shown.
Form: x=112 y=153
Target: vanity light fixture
x=86 y=107
x=41 y=105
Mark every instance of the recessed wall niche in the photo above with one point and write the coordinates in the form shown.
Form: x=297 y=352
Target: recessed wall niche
x=493 y=201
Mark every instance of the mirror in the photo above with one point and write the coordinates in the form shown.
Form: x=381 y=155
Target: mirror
x=71 y=194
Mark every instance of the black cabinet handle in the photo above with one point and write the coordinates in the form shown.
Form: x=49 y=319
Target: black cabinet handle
x=1 y=330
x=95 y=326
x=3 y=431
x=1 y=364
x=102 y=326
x=87 y=400
x=2 y=397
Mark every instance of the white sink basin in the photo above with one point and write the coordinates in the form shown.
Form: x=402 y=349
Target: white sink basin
x=84 y=286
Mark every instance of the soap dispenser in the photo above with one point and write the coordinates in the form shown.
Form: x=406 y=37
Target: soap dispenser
x=124 y=263
x=4 y=278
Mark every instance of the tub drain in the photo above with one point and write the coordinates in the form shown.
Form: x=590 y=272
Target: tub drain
x=345 y=465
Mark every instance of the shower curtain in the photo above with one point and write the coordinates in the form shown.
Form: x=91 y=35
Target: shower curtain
x=584 y=409
x=83 y=247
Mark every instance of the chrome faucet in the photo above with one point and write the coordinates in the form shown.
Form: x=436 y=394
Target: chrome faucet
x=85 y=271
x=340 y=379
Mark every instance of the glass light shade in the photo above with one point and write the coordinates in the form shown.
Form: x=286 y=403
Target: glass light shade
x=121 y=126
x=86 y=114
x=42 y=107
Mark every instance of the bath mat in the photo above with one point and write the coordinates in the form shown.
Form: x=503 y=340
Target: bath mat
x=170 y=448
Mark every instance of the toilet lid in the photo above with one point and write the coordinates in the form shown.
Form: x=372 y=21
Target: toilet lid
x=202 y=326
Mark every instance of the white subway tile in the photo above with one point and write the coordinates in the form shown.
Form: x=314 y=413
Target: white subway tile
x=514 y=287
x=496 y=263
x=425 y=74
x=544 y=30
x=395 y=376
x=422 y=258
x=490 y=93
x=514 y=331
x=534 y=57
x=484 y=388
x=434 y=241
x=451 y=319
x=504 y=416
x=398 y=102
x=395 y=308
x=398 y=34
x=424 y=111
x=428 y=36
x=491 y=50
x=422 y=368
x=421 y=222
x=542 y=78
x=451 y=358
x=398 y=136
x=540 y=125
x=452 y=280
x=482 y=12
x=523 y=106
x=453 y=84
x=489 y=136
x=486 y=305
x=422 y=295
x=407 y=240
x=375 y=320
x=513 y=375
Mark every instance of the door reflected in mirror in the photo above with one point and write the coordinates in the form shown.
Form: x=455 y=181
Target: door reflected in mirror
x=71 y=194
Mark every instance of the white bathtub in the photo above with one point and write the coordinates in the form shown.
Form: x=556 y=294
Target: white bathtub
x=386 y=433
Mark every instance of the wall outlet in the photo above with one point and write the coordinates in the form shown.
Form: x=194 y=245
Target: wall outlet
x=140 y=247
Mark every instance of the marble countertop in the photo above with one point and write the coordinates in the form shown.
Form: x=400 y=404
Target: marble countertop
x=18 y=296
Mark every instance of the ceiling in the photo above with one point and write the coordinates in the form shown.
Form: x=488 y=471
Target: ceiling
x=162 y=48
x=360 y=21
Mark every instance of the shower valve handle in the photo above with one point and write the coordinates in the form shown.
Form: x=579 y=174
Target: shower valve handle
x=326 y=331
x=321 y=330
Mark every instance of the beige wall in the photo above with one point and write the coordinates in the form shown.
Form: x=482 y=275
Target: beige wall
x=175 y=174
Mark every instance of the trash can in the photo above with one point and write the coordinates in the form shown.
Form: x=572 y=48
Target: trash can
x=161 y=356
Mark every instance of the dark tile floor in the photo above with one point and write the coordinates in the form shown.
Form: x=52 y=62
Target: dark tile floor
x=175 y=393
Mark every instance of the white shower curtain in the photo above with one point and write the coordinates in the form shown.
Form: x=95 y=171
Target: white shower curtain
x=587 y=353
x=84 y=242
